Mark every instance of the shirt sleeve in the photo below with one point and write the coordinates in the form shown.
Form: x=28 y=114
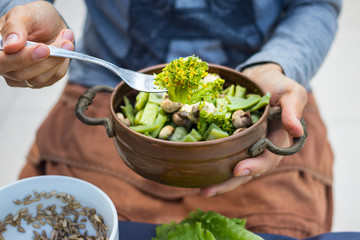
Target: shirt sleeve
x=301 y=39
x=7 y=5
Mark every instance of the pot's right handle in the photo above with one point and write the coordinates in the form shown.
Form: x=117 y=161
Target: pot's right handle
x=265 y=143
x=85 y=100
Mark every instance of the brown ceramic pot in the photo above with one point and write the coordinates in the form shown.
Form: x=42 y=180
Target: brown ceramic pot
x=184 y=164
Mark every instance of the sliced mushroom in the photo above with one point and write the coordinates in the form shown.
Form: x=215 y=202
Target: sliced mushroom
x=238 y=130
x=166 y=132
x=180 y=120
x=187 y=111
x=241 y=119
x=170 y=106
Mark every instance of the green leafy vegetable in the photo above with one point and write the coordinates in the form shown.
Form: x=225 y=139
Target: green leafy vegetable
x=184 y=79
x=222 y=119
x=206 y=226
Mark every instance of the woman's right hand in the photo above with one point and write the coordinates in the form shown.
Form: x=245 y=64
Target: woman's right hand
x=39 y=22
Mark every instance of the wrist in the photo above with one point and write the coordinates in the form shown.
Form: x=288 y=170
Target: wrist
x=262 y=67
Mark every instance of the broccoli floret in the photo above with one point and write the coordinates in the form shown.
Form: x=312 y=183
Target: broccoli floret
x=220 y=118
x=183 y=78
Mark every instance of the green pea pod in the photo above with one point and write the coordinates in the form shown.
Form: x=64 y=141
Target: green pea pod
x=263 y=102
x=179 y=134
x=160 y=121
x=149 y=115
x=230 y=91
x=240 y=91
x=189 y=138
x=211 y=127
x=154 y=98
x=144 y=128
x=141 y=100
x=128 y=110
x=247 y=103
x=216 y=134
x=196 y=134
x=138 y=116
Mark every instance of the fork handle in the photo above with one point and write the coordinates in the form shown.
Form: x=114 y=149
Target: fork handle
x=59 y=52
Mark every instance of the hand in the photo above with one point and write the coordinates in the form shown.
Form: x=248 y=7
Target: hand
x=291 y=97
x=39 y=22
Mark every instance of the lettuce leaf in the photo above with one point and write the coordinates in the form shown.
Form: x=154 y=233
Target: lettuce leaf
x=206 y=226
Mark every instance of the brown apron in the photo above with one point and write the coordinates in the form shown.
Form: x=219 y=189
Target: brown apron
x=295 y=199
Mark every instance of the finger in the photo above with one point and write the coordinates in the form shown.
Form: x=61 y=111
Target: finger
x=266 y=161
x=29 y=62
x=14 y=30
x=292 y=108
x=65 y=34
x=25 y=57
x=257 y=165
x=35 y=69
x=224 y=187
x=50 y=77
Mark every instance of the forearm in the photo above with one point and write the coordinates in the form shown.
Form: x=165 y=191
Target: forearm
x=301 y=40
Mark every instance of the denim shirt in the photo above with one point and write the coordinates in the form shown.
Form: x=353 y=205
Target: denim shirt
x=135 y=34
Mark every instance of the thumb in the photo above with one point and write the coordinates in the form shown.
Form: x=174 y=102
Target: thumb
x=14 y=31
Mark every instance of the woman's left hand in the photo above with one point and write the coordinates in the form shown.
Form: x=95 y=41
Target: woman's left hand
x=291 y=97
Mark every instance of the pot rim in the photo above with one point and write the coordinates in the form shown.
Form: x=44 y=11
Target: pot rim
x=189 y=144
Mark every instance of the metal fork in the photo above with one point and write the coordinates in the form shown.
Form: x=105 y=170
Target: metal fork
x=138 y=81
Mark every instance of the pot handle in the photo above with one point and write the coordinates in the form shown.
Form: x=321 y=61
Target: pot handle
x=85 y=100
x=265 y=143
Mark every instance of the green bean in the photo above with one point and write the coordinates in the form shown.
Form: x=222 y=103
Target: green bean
x=149 y=115
x=189 y=138
x=216 y=134
x=141 y=100
x=230 y=91
x=211 y=127
x=160 y=121
x=255 y=117
x=240 y=91
x=196 y=134
x=128 y=110
x=264 y=100
x=144 y=128
x=138 y=116
x=179 y=134
x=233 y=100
x=249 y=102
x=154 y=98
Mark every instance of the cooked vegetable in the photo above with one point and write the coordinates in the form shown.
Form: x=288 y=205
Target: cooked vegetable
x=160 y=121
x=128 y=110
x=179 y=134
x=166 y=132
x=206 y=226
x=198 y=112
x=149 y=115
x=184 y=79
x=222 y=119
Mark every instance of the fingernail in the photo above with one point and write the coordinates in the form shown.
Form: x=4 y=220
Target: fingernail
x=243 y=172
x=13 y=37
x=67 y=46
x=40 y=52
x=68 y=35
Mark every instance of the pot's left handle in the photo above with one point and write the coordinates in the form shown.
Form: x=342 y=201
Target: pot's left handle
x=265 y=143
x=85 y=100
